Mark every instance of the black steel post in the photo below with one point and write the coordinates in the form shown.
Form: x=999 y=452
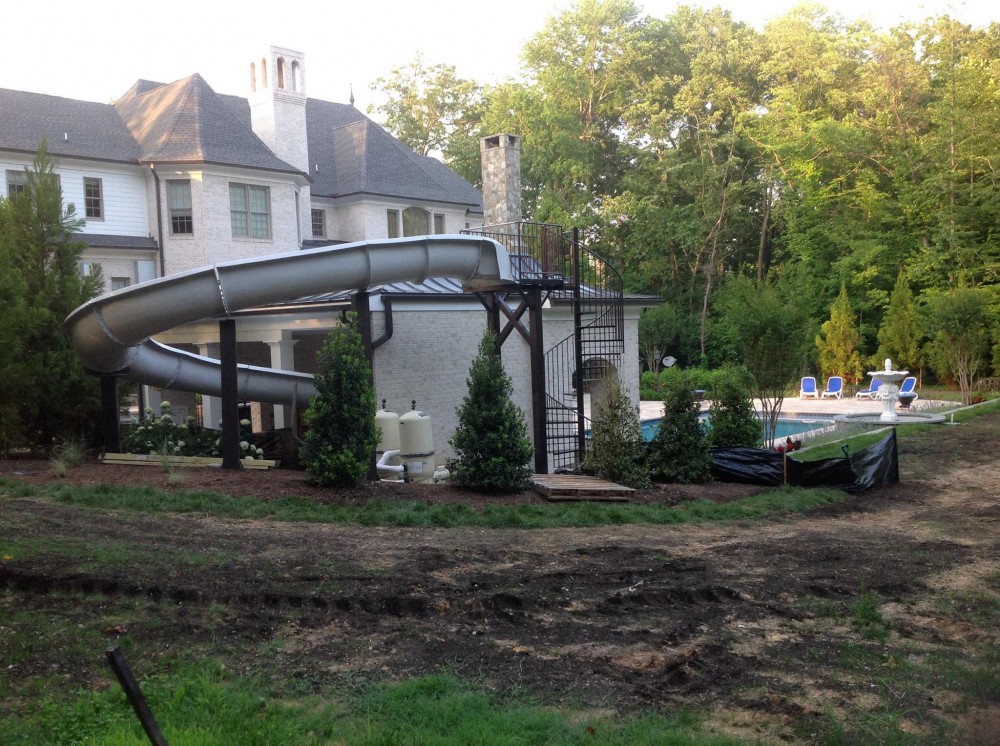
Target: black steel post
x=361 y=306
x=110 y=423
x=581 y=424
x=230 y=396
x=116 y=659
x=538 y=417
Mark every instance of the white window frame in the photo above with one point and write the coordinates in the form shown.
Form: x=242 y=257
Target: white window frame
x=321 y=214
x=93 y=203
x=246 y=222
x=180 y=213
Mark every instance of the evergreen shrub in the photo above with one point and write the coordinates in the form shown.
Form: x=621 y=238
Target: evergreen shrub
x=734 y=422
x=680 y=451
x=492 y=449
x=340 y=443
x=617 y=450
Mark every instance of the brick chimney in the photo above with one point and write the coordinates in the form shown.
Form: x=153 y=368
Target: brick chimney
x=501 y=157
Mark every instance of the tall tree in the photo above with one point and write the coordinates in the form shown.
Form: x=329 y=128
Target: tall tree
x=960 y=347
x=429 y=108
x=56 y=399
x=900 y=336
x=838 y=341
x=768 y=330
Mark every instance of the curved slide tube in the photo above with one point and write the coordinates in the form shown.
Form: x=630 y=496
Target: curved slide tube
x=112 y=332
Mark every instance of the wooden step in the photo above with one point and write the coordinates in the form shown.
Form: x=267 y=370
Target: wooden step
x=567 y=487
x=150 y=459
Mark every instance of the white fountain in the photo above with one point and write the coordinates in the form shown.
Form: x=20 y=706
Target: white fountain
x=888 y=391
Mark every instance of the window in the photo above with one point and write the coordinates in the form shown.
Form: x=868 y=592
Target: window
x=15 y=182
x=249 y=210
x=439 y=223
x=120 y=283
x=392 y=221
x=416 y=221
x=319 y=223
x=93 y=199
x=179 y=205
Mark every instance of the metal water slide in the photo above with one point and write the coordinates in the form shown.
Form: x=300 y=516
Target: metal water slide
x=112 y=333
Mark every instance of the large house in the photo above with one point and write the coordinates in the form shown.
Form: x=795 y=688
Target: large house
x=173 y=177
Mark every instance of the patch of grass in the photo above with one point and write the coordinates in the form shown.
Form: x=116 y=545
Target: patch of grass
x=449 y=515
x=868 y=620
x=200 y=703
x=977 y=679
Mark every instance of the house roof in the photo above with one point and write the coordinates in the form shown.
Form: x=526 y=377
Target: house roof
x=73 y=128
x=353 y=155
x=188 y=122
x=106 y=241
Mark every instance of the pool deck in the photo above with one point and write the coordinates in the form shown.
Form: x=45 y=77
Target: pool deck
x=793 y=406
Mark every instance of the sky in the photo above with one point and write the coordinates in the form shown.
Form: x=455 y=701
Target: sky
x=95 y=51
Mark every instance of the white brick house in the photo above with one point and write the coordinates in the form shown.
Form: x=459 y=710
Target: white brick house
x=175 y=176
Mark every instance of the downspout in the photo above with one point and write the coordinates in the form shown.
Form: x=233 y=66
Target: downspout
x=387 y=334
x=159 y=220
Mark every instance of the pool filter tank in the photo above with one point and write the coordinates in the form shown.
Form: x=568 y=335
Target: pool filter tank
x=416 y=445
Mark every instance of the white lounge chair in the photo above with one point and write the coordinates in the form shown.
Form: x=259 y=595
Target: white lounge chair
x=834 y=388
x=808 y=388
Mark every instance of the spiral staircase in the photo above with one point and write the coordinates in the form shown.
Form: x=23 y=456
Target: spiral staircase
x=551 y=264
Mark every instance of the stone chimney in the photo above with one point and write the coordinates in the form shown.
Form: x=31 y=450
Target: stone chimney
x=501 y=157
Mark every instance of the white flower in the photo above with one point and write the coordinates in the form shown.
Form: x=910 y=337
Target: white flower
x=164 y=404
x=245 y=423
x=244 y=445
x=180 y=443
x=260 y=451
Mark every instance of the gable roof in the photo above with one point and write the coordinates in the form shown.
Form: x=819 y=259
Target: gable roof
x=353 y=155
x=73 y=128
x=187 y=122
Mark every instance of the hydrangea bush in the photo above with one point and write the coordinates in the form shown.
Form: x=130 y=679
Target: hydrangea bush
x=161 y=435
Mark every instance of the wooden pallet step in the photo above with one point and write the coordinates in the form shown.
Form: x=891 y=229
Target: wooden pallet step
x=565 y=487
x=149 y=459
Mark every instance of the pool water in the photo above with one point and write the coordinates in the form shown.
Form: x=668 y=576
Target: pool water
x=787 y=426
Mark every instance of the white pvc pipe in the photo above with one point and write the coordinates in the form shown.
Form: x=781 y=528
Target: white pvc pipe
x=383 y=464
x=112 y=333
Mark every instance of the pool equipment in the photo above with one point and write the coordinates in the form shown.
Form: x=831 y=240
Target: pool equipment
x=416 y=444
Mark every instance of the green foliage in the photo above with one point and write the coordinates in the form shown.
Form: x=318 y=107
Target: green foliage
x=680 y=450
x=340 y=443
x=900 y=335
x=659 y=330
x=492 y=450
x=431 y=109
x=654 y=386
x=733 y=417
x=414 y=513
x=161 y=435
x=45 y=394
x=617 y=450
x=838 y=341
x=768 y=329
x=960 y=346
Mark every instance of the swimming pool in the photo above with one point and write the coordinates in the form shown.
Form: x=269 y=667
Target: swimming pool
x=787 y=426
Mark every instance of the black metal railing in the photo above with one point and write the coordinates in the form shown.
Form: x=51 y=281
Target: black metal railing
x=544 y=254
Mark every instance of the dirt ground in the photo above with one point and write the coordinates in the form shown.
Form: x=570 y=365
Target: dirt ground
x=754 y=622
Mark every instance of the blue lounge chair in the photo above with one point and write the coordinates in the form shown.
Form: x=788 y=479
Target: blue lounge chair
x=808 y=388
x=871 y=392
x=908 y=388
x=834 y=388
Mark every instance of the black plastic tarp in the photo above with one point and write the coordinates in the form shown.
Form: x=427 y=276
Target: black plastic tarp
x=875 y=466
